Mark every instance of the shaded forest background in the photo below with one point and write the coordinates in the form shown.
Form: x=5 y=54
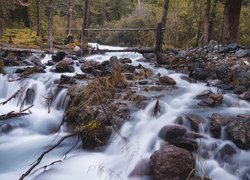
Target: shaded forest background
x=184 y=28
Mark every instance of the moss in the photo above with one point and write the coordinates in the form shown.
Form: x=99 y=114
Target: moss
x=94 y=134
x=1 y=66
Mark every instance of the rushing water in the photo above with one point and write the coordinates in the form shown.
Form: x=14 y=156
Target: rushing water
x=34 y=133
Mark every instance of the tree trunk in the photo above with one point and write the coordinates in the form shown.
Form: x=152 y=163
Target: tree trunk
x=231 y=20
x=85 y=21
x=199 y=22
x=38 y=25
x=207 y=20
x=160 y=32
x=69 y=16
x=50 y=24
x=212 y=18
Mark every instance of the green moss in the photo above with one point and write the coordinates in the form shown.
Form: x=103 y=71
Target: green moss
x=93 y=135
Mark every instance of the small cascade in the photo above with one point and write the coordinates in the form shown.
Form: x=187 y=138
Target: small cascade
x=26 y=137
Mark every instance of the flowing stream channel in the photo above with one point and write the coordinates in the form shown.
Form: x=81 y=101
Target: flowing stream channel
x=33 y=134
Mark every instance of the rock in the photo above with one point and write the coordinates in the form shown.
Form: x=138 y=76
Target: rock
x=171 y=131
x=216 y=123
x=167 y=80
x=230 y=47
x=238 y=131
x=89 y=66
x=76 y=48
x=212 y=45
x=25 y=72
x=199 y=74
x=242 y=53
x=195 y=121
x=212 y=100
x=172 y=162
x=151 y=57
x=225 y=152
x=200 y=178
x=113 y=61
x=6 y=128
x=125 y=60
x=185 y=143
x=224 y=73
x=245 y=96
x=65 y=66
x=30 y=96
x=239 y=89
x=141 y=169
x=203 y=94
x=188 y=79
x=59 y=56
x=36 y=60
x=51 y=63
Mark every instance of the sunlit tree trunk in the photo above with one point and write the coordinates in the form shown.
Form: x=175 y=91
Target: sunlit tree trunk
x=231 y=20
x=69 y=16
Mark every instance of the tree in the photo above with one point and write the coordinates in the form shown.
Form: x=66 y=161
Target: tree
x=50 y=23
x=231 y=20
x=69 y=16
x=38 y=23
x=207 y=20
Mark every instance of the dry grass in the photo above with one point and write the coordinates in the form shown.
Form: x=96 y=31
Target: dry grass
x=101 y=89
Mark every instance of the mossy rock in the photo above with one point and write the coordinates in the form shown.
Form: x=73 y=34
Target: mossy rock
x=1 y=66
x=95 y=134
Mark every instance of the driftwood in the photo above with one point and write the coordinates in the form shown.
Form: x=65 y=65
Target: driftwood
x=26 y=50
x=136 y=50
x=39 y=159
x=112 y=124
x=49 y=101
x=13 y=114
x=11 y=97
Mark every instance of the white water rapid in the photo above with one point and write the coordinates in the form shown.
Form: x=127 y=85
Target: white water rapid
x=34 y=133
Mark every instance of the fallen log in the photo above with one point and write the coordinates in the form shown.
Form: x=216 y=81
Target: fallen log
x=13 y=114
x=135 y=50
x=26 y=50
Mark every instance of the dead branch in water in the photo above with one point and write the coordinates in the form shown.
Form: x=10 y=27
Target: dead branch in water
x=11 y=97
x=49 y=101
x=39 y=159
x=14 y=114
x=112 y=124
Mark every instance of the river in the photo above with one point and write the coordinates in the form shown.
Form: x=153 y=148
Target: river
x=34 y=133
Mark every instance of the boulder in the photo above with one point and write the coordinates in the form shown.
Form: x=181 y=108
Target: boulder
x=172 y=131
x=225 y=152
x=30 y=96
x=195 y=121
x=65 y=66
x=89 y=66
x=238 y=131
x=212 y=100
x=59 y=56
x=216 y=123
x=141 y=169
x=167 y=80
x=211 y=45
x=172 y=162
x=224 y=73
x=36 y=61
x=242 y=53
x=199 y=73
x=245 y=96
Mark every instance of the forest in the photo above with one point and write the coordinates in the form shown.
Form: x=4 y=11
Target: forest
x=125 y=89
x=189 y=22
